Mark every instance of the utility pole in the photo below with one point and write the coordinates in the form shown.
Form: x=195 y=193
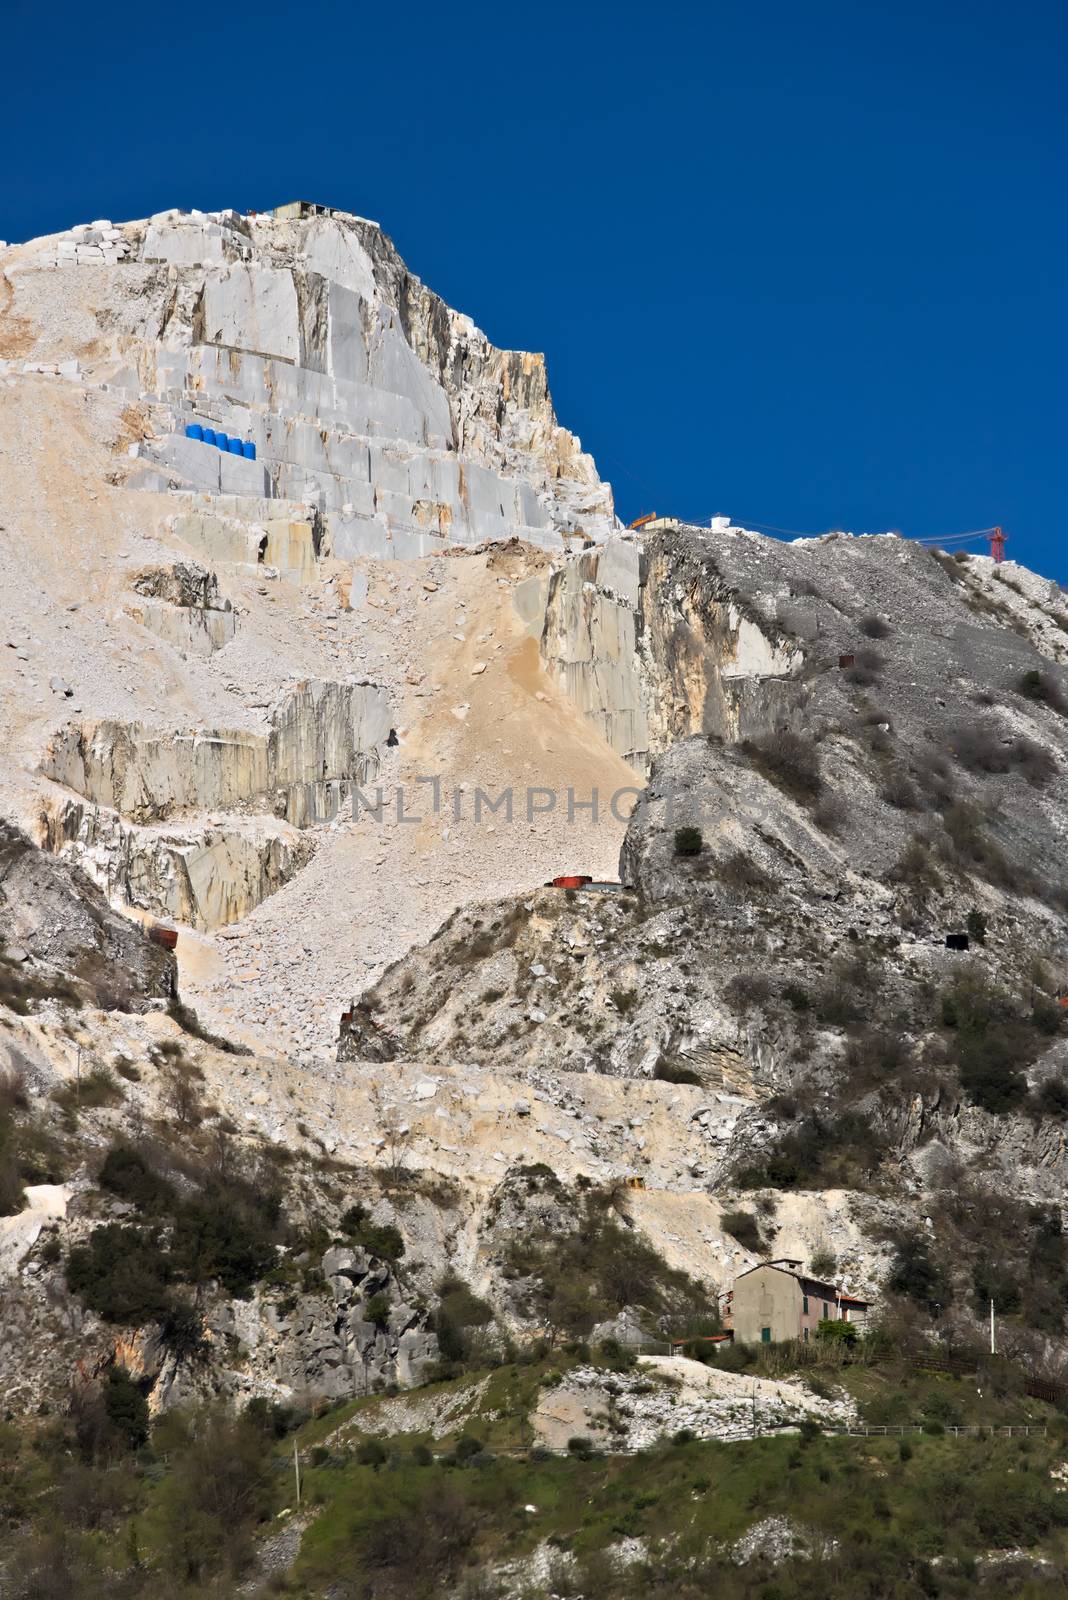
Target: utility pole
x=296 y=1469
x=992 y=1347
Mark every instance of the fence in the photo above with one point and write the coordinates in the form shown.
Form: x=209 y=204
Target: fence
x=1055 y=1394
x=971 y=1430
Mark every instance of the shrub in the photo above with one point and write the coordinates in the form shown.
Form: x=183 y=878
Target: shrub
x=182 y=1332
x=371 y=1453
x=743 y=1226
x=11 y=1195
x=121 y=1273
x=1041 y=688
x=989 y=1042
x=796 y=996
x=935 y=778
x=973 y=848
x=225 y=1236
x=740 y=872
x=376 y=1309
x=126 y=1408
x=380 y=1239
x=219 y=1487
x=899 y=791
x=982 y=747
x=835 y=1332
x=789 y=761
x=689 y=841
x=459 y=1311
x=874 y=627
x=865 y=670
x=1052 y=1098
x=127 y=1174
x=818 y=1152
x=674 y=1072
x=976 y=926
x=916 y=1276
x=746 y=989
x=824 y=1262
x=830 y=813
x=589 y=1273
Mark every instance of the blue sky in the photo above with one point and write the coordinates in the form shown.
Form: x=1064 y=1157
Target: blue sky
x=798 y=264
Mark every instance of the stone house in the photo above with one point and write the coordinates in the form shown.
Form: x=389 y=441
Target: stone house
x=776 y=1301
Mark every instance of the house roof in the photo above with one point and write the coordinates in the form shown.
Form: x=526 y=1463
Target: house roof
x=813 y=1286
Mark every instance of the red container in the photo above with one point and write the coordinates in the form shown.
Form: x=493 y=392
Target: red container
x=574 y=881
x=167 y=937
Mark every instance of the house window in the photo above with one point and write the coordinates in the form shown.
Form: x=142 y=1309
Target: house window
x=827 y=1310
x=804 y=1304
x=765 y=1335
x=804 y=1335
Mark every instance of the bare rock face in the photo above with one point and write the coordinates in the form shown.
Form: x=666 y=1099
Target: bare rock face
x=364 y=395
x=126 y=780
x=57 y=927
x=653 y=643
x=181 y=604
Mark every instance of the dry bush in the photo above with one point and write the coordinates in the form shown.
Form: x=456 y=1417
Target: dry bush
x=748 y=989
x=1044 y=690
x=866 y=668
x=742 y=874
x=874 y=627
x=790 y=761
x=972 y=848
x=900 y=792
x=982 y=748
x=830 y=813
x=935 y=777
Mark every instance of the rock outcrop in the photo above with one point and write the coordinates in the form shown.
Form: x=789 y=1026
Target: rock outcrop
x=364 y=395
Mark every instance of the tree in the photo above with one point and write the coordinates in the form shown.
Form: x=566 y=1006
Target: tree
x=218 y=1489
x=125 y=1408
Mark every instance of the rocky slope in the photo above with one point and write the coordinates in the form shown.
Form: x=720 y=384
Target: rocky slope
x=546 y=1113
x=206 y=651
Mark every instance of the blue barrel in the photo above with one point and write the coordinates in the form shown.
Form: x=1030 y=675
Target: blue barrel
x=235 y=447
x=222 y=441
x=193 y=430
x=248 y=450
x=208 y=435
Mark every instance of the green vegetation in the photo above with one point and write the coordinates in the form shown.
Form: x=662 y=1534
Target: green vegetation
x=381 y=1239
x=94 y=1504
x=992 y=1040
x=574 y=1279
x=743 y=1226
x=820 y=1151
x=688 y=841
x=460 y=1321
x=226 y=1231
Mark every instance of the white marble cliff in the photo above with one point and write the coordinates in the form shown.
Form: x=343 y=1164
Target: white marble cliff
x=369 y=401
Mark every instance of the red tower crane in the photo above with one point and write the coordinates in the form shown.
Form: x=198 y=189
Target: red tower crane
x=995 y=537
